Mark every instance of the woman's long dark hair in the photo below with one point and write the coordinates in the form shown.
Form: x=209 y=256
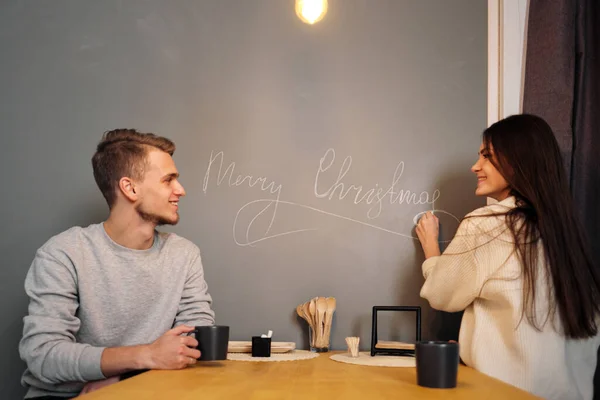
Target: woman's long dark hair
x=528 y=157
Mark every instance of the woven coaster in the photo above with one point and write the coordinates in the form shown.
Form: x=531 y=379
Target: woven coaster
x=290 y=356
x=364 y=358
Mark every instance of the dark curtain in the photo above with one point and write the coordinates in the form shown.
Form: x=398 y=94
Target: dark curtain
x=562 y=85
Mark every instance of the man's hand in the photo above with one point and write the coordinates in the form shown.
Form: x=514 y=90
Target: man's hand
x=172 y=351
x=428 y=230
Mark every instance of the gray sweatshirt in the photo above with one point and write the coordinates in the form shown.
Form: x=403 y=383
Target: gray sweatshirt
x=87 y=293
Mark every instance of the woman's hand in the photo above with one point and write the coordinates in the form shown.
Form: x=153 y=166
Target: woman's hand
x=428 y=231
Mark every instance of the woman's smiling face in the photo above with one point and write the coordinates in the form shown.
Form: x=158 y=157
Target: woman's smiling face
x=490 y=181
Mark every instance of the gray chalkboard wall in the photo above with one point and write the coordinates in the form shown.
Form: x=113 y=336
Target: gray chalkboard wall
x=346 y=130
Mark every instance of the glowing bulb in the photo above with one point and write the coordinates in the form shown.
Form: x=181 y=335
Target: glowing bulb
x=311 y=11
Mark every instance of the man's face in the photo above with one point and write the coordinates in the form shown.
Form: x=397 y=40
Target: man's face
x=160 y=190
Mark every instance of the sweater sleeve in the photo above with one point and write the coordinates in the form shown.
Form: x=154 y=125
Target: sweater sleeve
x=48 y=345
x=195 y=304
x=454 y=279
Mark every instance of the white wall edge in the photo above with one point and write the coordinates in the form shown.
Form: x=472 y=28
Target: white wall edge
x=507 y=43
x=495 y=61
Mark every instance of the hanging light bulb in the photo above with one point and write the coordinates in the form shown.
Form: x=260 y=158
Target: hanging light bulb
x=311 y=11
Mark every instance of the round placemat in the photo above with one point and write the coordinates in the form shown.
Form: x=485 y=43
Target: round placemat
x=293 y=355
x=364 y=358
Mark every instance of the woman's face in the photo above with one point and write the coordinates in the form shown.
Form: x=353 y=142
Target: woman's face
x=490 y=182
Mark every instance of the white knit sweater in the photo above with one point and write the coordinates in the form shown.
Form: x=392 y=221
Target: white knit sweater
x=480 y=273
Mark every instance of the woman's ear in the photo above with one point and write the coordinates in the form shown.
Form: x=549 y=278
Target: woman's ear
x=127 y=187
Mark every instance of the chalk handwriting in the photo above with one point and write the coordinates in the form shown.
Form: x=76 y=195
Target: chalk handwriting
x=377 y=194
x=339 y=189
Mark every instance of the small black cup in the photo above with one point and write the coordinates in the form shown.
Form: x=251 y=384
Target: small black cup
x=261 y=347
x=437 y=364
x=213 y=341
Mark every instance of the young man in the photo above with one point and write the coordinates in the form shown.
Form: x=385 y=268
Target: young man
x=117 y=296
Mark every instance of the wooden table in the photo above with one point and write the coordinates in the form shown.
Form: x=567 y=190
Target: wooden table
x=318 y=378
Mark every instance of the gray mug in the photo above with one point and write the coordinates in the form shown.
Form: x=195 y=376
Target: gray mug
x=213 y=341
x=437 y=364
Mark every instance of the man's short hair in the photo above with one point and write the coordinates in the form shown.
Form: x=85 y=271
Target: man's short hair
x=122 y=153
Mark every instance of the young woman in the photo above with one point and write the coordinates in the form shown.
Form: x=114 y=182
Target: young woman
x=520 y=268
